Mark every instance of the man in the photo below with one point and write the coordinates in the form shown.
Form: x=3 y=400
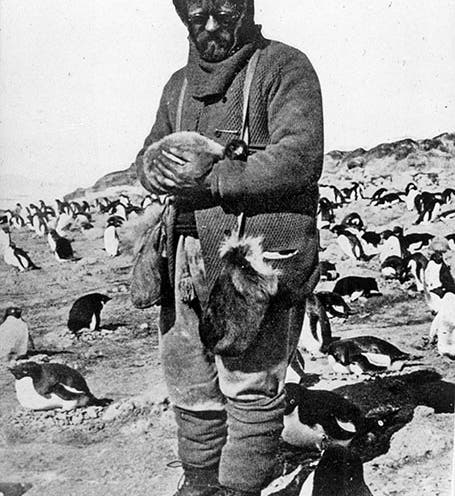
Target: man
x=229 y=410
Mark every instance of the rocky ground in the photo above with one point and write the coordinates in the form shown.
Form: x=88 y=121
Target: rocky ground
x=129 y=447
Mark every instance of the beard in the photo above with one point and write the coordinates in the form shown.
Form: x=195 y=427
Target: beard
x=214 y=47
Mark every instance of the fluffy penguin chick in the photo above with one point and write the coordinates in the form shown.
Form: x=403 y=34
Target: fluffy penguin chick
x=312 y=417
x=240 y=297
x=52 y=385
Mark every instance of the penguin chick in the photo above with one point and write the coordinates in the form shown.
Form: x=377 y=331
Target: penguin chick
x=236 y=149
x=52 y=385
x=313 y=417
x=239 y=298
x=86 y=312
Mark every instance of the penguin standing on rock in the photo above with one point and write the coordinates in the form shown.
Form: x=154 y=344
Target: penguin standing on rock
x=316 y=418
x=48 y=386
x=60 y=246
x=86 y=312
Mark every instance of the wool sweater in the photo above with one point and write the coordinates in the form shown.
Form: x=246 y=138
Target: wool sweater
x=277 y=187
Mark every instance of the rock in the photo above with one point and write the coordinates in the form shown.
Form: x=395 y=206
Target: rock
x=93 y=412
x=144 y=326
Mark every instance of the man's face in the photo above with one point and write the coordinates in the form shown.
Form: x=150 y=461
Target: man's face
x=212 y=25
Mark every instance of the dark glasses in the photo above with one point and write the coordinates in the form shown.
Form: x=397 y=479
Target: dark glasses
x=224 y=19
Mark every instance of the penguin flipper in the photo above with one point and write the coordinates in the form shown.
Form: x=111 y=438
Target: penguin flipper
x=67 y=393
x=378 y=359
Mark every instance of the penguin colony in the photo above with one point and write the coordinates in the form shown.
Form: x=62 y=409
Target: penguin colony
x=314 y=419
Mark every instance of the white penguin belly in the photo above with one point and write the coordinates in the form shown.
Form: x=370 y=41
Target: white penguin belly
x=29 y=398
x=337 y=367
x=111 y=242
x=346 y=246
x=298 y=434
x=308 y=341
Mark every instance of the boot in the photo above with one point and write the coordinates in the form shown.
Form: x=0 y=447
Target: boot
x=199 y=482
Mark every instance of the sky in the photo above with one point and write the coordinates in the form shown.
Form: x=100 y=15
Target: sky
x=80 y=81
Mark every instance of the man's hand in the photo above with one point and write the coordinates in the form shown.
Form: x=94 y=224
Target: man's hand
x=171 y=172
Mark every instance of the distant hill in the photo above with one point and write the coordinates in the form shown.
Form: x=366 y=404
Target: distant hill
x=427 y=162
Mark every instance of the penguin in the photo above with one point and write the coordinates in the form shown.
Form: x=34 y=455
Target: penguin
x=392 y=245
x=353 y=220
x=353 y=192
x=325 y=214
x=316 y=332
x=17 y=221
x=47 y=386
x=60 y=246
x=434 y=298
x=333 y=194
x=146 y=201
x=410 y=193
x=16 y=257
x=388 y=200
x=338 y=473
x=315 y=419
x=443 y=326
x=448 y=195
x=355 y=286
x=428 y=206
x=379 y=193
x=350 y=244
x=447 y=215
x=417 y=241
x=86 y=312
x=5 y=239
x=393 y=267
x=111 y=239
x=437 y=273
x=370 y=242
x=334 y=304
x=451 y=240
x=328 y=271
x=365 y=354
x=15 y=339
x=39 y=224
x=415 y=265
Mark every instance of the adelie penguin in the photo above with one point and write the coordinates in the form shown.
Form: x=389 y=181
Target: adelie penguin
x=18 y=258
x=60 y=246
x=316 y=332
x=46 y=386
x=15 y=340
x=338 y=473
x=86 y=312
x=365 y=354
x=315 y=419
x=111 y=239
x=353 y=287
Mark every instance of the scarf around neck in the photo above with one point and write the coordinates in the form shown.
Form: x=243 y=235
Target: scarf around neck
x=209 y=79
